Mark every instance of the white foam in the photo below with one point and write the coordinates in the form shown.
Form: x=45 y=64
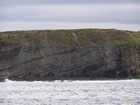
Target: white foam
x=124 y=92
x=7 y=80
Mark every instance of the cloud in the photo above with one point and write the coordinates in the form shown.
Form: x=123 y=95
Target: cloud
x=128 y=14
x=81 y=12
x=66 y=2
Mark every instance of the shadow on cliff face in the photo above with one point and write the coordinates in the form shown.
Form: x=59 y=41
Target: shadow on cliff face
x=9 y=52
x=104 y=70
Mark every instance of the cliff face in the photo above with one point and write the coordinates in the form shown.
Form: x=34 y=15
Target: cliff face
x=66 y=54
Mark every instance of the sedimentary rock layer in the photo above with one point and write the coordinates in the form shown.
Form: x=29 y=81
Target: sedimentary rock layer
x=69 y=54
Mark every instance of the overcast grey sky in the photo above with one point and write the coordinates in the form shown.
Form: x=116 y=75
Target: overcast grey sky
x=69 y=14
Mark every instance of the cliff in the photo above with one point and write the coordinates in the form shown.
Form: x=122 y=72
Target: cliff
x=69 y=54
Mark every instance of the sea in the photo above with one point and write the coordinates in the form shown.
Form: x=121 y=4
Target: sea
x=68 y=92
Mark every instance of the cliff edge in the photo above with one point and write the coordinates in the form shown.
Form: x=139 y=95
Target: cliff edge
x=69 y=54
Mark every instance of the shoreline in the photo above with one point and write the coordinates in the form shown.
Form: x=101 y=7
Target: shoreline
x=68 y=79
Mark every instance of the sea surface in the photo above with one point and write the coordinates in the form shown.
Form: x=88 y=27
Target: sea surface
x=112 y=92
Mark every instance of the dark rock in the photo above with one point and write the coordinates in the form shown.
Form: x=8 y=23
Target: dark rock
x=53 y=61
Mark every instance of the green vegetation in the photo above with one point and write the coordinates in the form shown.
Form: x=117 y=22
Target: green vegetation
x=31 y=36
x=125 y=39
x=64 y=39
x=8 y=40
x=117 y=73
x=75 y=38
x=138 y=74
x=130 y=75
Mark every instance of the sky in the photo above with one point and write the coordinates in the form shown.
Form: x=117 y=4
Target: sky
x=69 y=14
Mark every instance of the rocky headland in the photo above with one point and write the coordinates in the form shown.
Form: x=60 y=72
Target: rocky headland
x=69 y=54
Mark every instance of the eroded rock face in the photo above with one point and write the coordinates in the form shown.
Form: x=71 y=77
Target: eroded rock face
x=84 y=56
x=54 y=62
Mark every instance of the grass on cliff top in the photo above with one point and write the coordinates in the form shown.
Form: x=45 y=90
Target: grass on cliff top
x=124 y=39
x=73 y=38
x=8 y=40
x=15 y=37
x=86 y=37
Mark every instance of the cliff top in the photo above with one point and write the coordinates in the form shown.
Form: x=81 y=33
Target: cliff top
x=72 y=38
